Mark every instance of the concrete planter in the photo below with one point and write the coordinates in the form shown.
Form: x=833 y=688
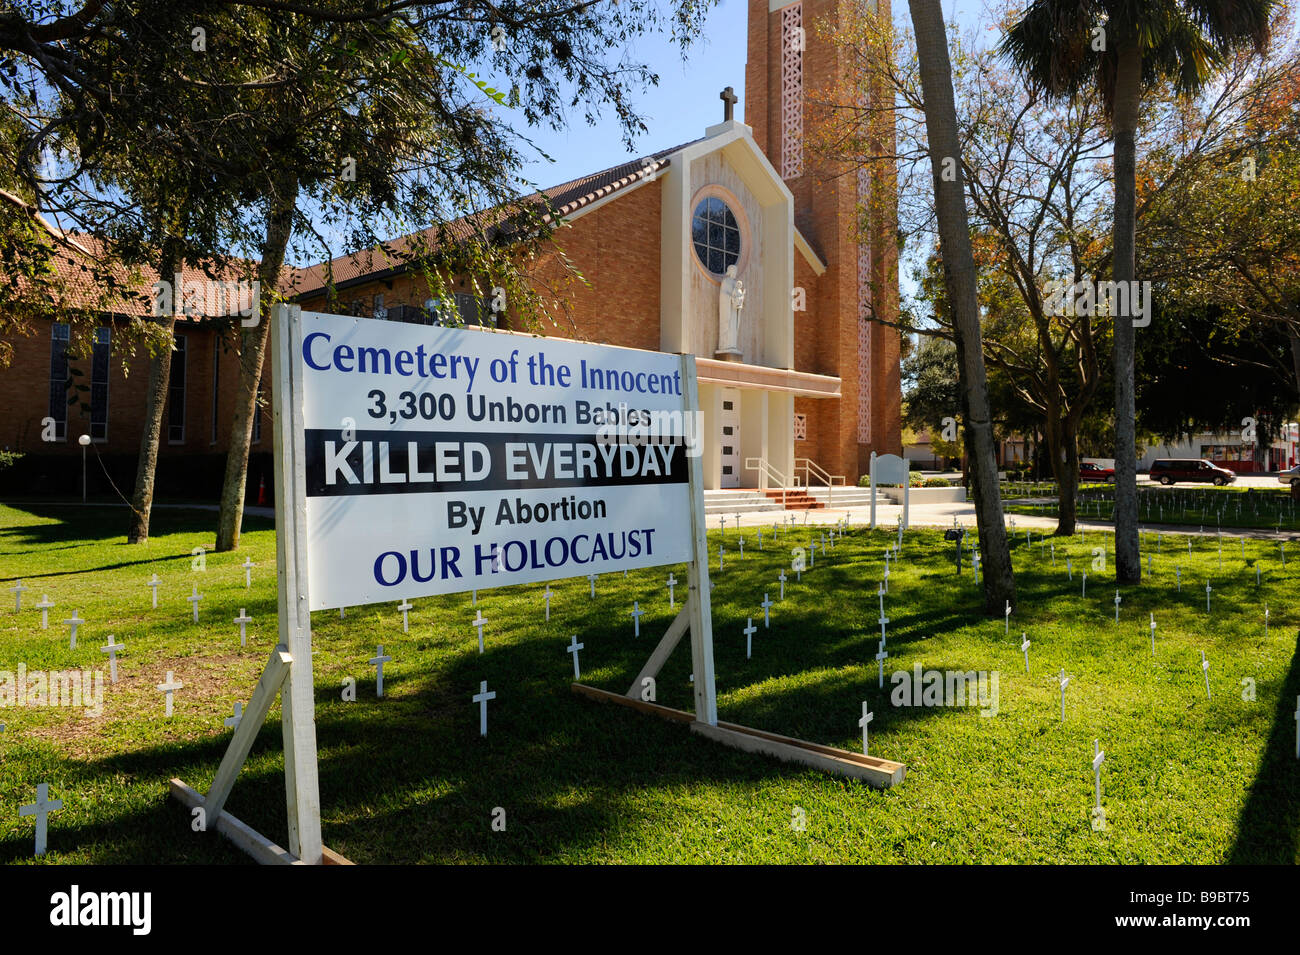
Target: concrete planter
x=926 y=495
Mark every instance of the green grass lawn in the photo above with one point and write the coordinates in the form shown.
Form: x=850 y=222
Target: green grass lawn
x=408 y=779
x=1185 y=506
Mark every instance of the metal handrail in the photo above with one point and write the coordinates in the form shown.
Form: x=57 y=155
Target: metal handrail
x=812 y=469
x=765 y=471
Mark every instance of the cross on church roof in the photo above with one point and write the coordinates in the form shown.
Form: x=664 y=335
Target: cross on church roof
x=729 y=99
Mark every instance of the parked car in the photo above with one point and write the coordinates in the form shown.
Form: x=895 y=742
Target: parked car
x=1291 y=476
x=1092 y=472
x=1169 y=470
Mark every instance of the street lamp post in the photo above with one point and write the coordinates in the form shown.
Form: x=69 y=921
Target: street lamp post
x=84 y=441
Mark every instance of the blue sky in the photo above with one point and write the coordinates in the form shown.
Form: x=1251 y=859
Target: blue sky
x=686 y=100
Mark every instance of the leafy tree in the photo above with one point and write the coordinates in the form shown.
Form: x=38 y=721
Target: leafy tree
x=960 y=280
x=1118 y=48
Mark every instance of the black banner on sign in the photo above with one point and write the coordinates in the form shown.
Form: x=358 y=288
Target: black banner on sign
x=420 y=462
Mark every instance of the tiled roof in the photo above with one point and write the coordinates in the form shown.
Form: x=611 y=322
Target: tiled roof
x=564 y=199
x=81 y=259
x=77 y=256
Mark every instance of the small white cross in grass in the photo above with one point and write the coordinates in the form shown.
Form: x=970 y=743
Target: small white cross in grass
x=378 y=661
x=168 y=687
x=74 y=622
x=41 y=809
x=573 y=647
x=481 y=698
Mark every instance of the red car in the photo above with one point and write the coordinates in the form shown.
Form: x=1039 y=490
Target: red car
x=1091 y=472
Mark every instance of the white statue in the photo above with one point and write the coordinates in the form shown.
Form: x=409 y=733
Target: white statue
x=731 y=301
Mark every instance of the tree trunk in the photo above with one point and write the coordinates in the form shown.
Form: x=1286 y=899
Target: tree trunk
x=1064 y=449
x=1128 y=87
x=252 y=350
x=155 y=400
x=959 y=278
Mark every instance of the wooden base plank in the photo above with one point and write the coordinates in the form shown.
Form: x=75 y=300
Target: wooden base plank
x=877 y=772
x=880 y=773
x=654 y=709
x=245 y=837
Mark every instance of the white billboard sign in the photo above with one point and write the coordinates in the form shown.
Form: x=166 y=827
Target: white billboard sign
x=439 y=460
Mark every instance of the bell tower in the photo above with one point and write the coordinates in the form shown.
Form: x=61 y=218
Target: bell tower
x=848 y=216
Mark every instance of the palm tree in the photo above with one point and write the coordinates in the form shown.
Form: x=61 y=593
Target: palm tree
x=959 y=281
x=1120 y=46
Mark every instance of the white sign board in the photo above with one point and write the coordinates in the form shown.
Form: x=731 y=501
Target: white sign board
x=440 y=460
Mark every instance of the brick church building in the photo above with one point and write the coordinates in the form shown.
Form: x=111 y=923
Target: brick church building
x=809 y=386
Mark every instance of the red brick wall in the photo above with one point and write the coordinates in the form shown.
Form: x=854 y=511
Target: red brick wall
x=825 y=208
x=24 y=395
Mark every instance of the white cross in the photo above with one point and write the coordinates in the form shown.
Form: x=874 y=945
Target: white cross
x=111 y=650
x=481 y=698
x=781 y=578
x=153 y=585
x=1178 y=577
x=760 y=538
x=1208 y=588
x=881 y=655
x=867 y=716
x=1098 y=756
x=672 y=597
x=547 y=594
x=170 y=687
x=478 y=621
x=1069 y=569
x=880 y=592
x=243 y=620
x=1065 y=681
x=1006 y=618
x=248 y=572
x=749 y=632
x=975 y=558
x=1117 y=600
x=1153 y=634
x=44 y=607
x=722 y=519
x=573 y=647
x=591 y=580
x=721 y=552
x=378 y=661
x=74 y=622
x=767 y=608
x=17 y=590
x=742 y=546
x=1053 y=546
x=636 y=617
x=473 y=595
x=405 y=607
x=41 y=809
x=1084 y=592
x=342 y=613
x=1205 y=668
x=232 y=722
x=193 y=600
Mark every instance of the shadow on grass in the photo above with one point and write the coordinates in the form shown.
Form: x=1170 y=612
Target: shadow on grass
x=1269 y=824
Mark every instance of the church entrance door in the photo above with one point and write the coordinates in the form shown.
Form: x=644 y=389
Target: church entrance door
x=730 y=437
